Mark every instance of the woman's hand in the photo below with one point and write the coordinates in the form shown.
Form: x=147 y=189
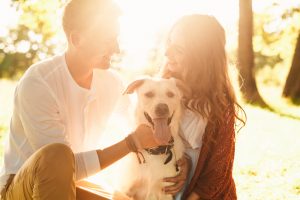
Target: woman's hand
x=193 y=196
x=178 y=181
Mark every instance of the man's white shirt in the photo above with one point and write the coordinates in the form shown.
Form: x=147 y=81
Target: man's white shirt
x=50 y=107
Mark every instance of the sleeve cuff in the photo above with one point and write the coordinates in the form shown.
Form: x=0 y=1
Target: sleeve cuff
x=91 y=162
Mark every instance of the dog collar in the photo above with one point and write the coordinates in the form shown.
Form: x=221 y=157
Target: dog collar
x=163 y=149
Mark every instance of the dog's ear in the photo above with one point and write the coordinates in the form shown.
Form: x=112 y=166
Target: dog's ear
x=186 y=91
x=133 y=86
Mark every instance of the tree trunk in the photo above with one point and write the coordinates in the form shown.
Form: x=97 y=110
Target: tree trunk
x=246 y=56
x=292 y=84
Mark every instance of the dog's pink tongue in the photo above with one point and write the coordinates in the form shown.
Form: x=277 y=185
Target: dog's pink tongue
x=162 y=132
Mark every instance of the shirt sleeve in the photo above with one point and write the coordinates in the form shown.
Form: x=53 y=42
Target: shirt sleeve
x=86 y=164
x=39 y=113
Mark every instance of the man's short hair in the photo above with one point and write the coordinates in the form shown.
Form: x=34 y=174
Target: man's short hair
x=83 y=14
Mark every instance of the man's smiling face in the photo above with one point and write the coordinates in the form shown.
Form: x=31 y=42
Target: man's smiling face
x=100 y=43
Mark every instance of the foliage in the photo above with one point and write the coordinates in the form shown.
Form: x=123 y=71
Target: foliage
x=38 y=30
x=33 y=37
x=275 y=35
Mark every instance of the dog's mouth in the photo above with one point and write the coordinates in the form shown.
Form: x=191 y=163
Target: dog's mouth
x=149 y=119
x=161 y=129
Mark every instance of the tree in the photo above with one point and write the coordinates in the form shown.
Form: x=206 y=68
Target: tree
x=245 y=54
x=292 y=85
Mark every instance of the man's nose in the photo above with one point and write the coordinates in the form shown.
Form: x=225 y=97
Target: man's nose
x=168 y=52
x=162 y=109
x=116 y=48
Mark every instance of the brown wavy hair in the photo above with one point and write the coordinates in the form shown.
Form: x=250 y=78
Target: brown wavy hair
x=206 y=71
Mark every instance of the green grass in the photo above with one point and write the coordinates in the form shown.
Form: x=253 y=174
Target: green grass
x=267 y=160
x=270 y=83
x=267 y=152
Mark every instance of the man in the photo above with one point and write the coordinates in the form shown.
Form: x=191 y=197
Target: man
x=61 y=107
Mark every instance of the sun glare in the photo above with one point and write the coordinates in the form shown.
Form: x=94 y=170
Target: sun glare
x=144 y=21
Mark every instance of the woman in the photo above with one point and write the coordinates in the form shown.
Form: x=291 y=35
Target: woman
x=196 y=55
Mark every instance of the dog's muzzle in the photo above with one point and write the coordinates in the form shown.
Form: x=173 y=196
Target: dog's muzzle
x=149 y=119
x=163 y=149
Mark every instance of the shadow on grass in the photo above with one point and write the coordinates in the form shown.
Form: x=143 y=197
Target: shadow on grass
x=289 y=108
x=277 y=110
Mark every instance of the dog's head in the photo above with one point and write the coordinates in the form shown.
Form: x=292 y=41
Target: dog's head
x=159 y=100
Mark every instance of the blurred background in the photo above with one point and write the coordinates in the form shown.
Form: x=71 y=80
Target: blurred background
x=263 y=45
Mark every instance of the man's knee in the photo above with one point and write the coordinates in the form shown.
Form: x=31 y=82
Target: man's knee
x=58 y=158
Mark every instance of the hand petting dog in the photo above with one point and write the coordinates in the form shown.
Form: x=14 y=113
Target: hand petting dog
x=178 y=181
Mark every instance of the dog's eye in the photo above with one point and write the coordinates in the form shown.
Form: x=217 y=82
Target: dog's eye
x=170 y=94
x=149 y=94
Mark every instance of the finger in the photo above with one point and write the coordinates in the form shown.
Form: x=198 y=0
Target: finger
x=183 y=162
x=180 y=162
x=173 y=189
x=175 y=179
x=180 y=176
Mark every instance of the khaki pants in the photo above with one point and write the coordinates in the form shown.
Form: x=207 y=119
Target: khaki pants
x=47 y=175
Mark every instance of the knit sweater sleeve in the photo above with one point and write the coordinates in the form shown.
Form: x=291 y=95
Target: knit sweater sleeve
x=215 y=181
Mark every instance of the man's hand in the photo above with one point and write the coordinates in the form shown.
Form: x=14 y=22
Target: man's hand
x=178 y=181
x=143 y=137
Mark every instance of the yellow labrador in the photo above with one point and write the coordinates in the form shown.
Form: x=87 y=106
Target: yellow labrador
x=159 y=106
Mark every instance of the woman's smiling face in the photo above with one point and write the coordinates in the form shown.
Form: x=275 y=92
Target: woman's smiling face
x=176 y=51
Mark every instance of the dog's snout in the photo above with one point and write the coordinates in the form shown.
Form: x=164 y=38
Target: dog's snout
x=161 y=109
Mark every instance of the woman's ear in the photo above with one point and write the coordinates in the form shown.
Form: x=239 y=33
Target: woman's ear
x=133 y=86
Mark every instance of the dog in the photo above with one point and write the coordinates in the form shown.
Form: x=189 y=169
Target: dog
x=159 y=106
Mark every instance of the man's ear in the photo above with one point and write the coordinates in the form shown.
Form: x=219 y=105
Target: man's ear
x=133 y=86
x=75 y=38
x=185 y=90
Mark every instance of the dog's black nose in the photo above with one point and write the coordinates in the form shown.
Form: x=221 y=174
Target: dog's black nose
x=161 y=109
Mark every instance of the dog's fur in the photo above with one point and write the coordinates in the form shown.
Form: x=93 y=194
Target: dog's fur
x=147 y=183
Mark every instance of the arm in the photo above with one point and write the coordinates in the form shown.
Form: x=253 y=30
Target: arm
x=38 y=113
x=178 y=181
x=143 y=138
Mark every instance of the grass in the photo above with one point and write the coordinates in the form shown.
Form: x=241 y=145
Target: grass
x=267 y=152
x=267 y=164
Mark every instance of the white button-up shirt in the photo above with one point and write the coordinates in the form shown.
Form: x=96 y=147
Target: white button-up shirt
x=50 y=107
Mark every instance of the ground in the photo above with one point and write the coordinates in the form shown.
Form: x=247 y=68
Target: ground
x=267 y=164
